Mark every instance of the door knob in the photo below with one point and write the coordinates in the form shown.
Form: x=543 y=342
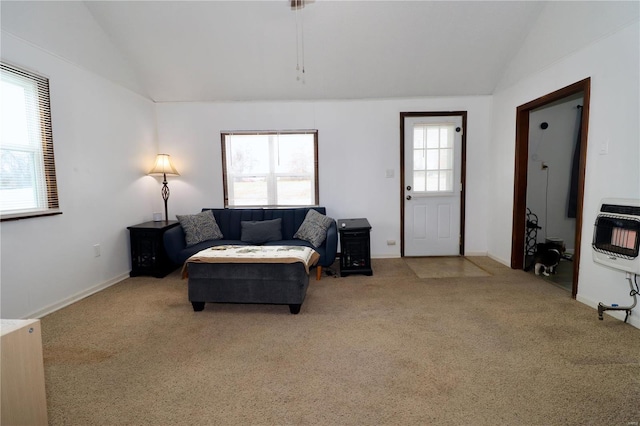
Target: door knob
x=408 y=187
x=408 y=197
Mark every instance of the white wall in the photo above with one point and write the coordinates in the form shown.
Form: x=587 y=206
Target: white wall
x=358 y=142
x=613 y=65
x=104 y=143
x=548 y=189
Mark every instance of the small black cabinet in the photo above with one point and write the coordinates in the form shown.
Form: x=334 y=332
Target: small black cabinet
x=355 y=247
x=148 y=256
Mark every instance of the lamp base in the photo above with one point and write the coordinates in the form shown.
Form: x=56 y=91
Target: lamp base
x=165 y=197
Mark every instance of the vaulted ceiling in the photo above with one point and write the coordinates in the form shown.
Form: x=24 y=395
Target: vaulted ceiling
x=249 y=50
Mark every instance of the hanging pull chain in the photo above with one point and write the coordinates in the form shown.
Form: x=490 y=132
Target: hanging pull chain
x=297 y=44
x=299 y=4
x=302 y=44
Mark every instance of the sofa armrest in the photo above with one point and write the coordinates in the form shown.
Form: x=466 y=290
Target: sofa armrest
x=331 y=243
x=174 y=243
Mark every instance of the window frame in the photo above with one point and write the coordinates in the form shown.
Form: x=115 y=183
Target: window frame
x=270 y=174
x=45 y=175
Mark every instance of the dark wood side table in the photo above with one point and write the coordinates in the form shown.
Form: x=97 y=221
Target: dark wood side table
x=355 y=247
x=148 y=256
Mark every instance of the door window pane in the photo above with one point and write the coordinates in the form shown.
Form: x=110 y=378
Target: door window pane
x=432 y=181
x=435 y=156
x=419 y=181
x=419 y=137
x=446 y=137
x=446 y=180
x=418 y=159
x=446 y=159
x=433 y=137
x=432 y=159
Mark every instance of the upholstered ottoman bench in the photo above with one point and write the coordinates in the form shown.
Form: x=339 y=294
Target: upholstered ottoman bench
x=250 y=274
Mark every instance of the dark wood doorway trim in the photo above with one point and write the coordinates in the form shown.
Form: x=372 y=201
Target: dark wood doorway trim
x=521 y=163
x=463 y=175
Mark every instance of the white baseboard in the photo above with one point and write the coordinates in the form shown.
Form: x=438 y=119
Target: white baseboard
x=476 y=253
x=397 y=256
x=76 y=297
x=499 y=260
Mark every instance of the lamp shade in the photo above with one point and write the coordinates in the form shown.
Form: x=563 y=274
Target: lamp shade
x=163 y=166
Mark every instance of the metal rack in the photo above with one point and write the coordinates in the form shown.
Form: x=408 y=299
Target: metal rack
x=531 y=236
x=532 y=233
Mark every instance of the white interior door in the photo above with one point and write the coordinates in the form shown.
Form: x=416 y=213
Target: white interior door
x=433 y=185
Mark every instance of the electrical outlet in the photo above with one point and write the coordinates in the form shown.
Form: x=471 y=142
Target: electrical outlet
x=96 y=250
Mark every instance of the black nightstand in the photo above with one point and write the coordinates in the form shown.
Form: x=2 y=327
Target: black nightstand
x=148 y=256
x=355 y=247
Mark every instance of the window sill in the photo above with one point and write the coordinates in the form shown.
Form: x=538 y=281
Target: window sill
x=28 y=215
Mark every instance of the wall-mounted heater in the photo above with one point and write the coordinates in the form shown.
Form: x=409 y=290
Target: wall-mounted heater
x=616 y=243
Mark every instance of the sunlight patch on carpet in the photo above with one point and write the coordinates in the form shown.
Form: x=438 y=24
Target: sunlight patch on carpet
x=445 y=267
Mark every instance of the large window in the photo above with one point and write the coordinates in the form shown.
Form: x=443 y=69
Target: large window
x=27 y=169
x=270 y=168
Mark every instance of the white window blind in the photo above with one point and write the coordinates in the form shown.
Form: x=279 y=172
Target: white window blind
x=27 y=167
x=270 y=168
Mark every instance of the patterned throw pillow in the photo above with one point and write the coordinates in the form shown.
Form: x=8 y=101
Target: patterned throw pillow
x=200 y=227
x=314 y=228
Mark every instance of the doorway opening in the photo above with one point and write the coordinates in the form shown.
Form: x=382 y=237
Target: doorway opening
x=531 y=154
x=553 y=152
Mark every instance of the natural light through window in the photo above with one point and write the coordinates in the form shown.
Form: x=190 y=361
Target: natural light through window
x=270 y=168
x=433 y=158
x=27 y=177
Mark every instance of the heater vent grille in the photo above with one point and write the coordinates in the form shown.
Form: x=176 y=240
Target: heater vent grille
x=617 y=236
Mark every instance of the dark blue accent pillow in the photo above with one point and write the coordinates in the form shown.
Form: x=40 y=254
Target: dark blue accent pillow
x=261 y=231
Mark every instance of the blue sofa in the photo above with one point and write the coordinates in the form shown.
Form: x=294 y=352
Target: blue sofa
x=229 y=223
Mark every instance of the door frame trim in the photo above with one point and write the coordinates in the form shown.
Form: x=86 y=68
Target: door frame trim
x=463 y=174
x=520 y=173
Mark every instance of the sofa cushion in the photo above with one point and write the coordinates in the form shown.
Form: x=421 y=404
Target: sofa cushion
x=261 y=231
x=199 y=227
x=314 y=228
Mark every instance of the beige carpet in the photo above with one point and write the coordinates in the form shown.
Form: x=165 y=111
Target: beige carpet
x=504 y=349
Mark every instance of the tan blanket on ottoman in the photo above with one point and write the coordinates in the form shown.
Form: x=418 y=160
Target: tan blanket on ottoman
x=254 y=254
